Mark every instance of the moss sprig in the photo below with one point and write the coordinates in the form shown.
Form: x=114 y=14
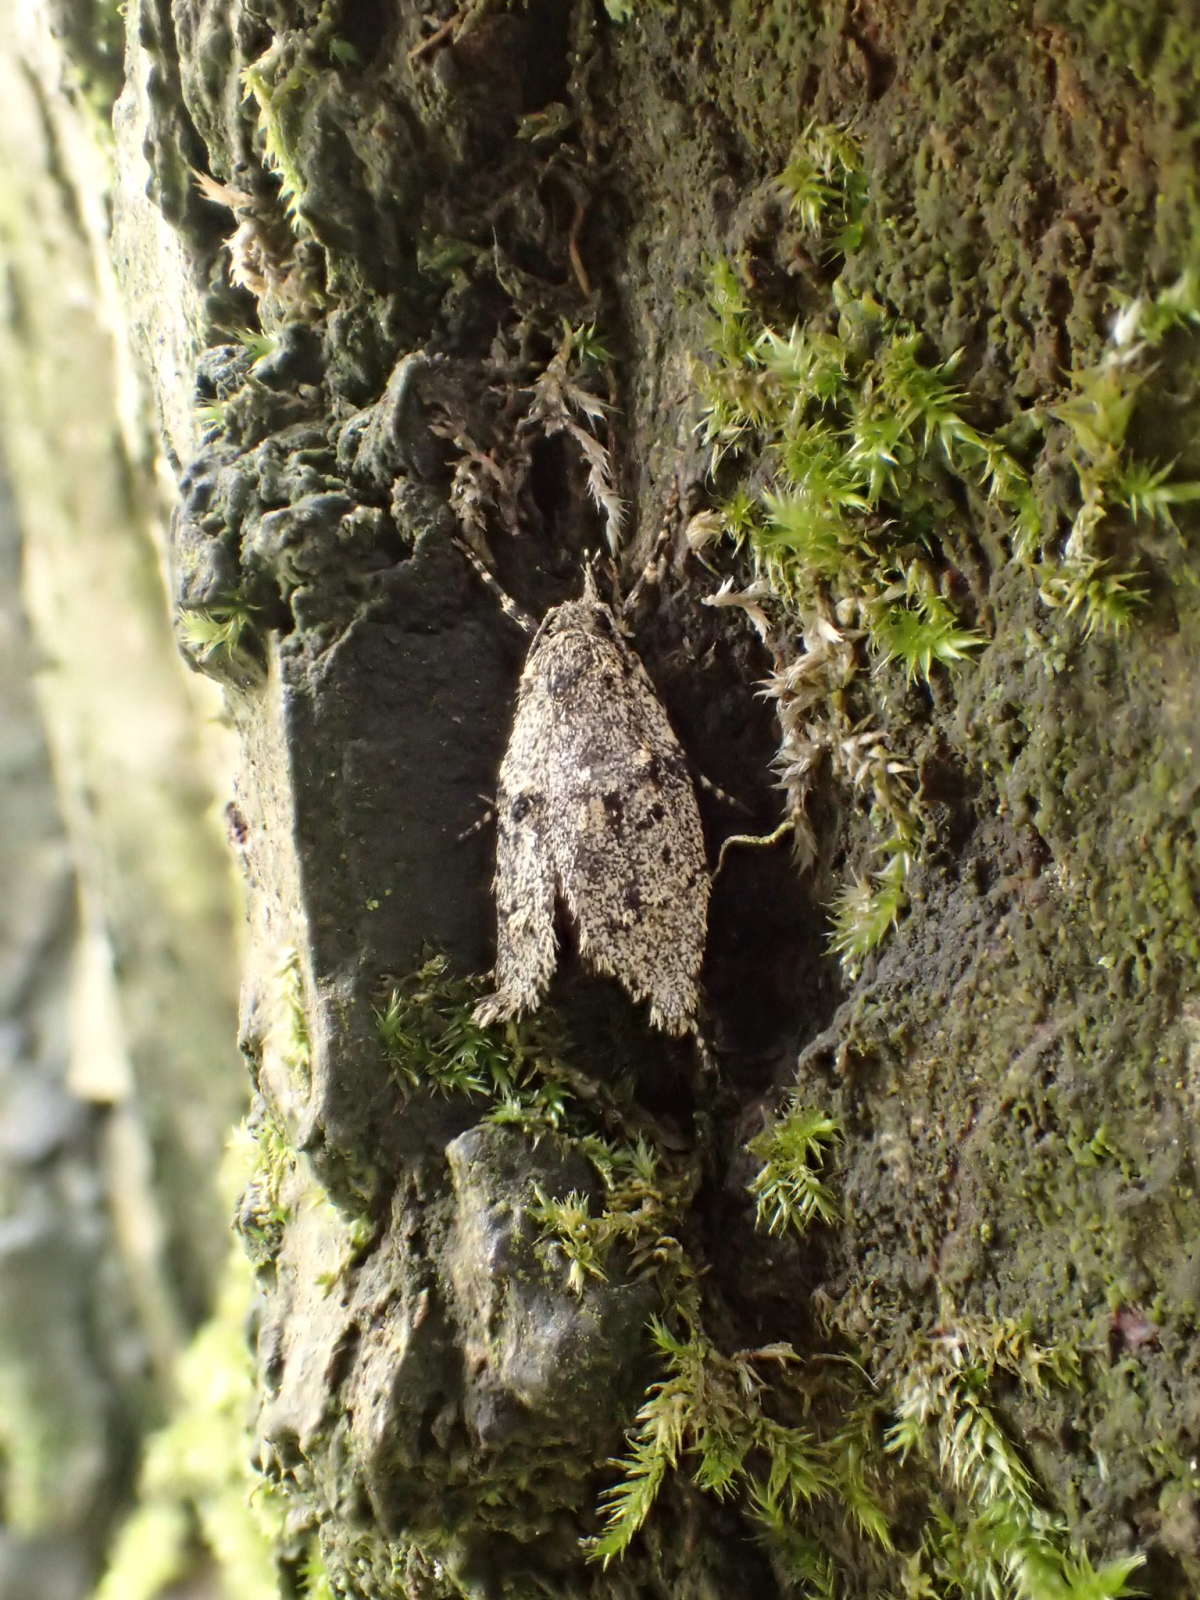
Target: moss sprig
x=262 y=1213
x=562 y=404
x=639 y=1215
x=217 y=630
x=825 y=187
x=270 y=92
x=867 y=909
x=1003 y=1544
x=1088 y=582
x=788 y=1189
x=708 y=1412
x=434 y=1045
x=258 y=344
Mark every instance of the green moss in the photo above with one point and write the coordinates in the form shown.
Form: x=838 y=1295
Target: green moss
x=1068 y=1202
x=523 y=1071
x=787 y=1189
x=291 y=1021
x=826 y=188
x=1002 y=1541
x=429 y=1036
x=314 y=1577
x=709 y=1408
x=270 y=1159
x=862 y=477
x=638 y=1219
x=276 y=95
x=218 y=629
x=846 y=1511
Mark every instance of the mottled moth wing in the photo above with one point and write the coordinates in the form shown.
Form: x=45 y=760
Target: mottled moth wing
x=524 y=884
x=631 y=867
x=596 y=809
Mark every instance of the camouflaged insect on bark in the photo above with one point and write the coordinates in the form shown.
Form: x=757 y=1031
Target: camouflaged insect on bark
x=596 y=810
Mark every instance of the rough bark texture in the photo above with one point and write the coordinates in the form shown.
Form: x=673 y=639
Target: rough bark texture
x=1013 y=1067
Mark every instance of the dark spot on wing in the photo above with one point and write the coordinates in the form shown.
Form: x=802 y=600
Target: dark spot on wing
x=564 y=676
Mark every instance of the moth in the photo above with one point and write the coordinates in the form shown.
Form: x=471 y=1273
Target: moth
x=596 y=813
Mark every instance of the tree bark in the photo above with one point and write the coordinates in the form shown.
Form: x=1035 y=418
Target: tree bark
x=469 y=277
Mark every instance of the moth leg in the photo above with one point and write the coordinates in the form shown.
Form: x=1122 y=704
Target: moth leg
x=656 y=562
x=723 y=795
x=487 y=816
x=526 y=945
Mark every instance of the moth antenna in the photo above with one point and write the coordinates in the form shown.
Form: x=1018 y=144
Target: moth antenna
x=508 y=605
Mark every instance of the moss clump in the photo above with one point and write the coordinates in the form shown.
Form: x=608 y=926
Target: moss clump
x=850 y=523
x=523 y=1070
x=900 y=1481
x=639 y=1215
x=290 y=1024
x=217 y=630
x=1116 y=488
x=788 y=1190
x=874 y=508
x=262 y=1212
x=709 y=1409
x=433 y=1044
x=990 y=1535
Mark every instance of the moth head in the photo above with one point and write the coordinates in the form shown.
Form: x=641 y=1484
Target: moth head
x=589 y=614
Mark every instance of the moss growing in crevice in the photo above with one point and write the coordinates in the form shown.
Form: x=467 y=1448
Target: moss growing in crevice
x=876 y=1468
x=892 y=1478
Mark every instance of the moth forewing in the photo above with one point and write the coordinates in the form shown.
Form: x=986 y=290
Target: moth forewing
x=597 y=811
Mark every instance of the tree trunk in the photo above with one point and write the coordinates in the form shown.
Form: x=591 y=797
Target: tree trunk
x=885 y=319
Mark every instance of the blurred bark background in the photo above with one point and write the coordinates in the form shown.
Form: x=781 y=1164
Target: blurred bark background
x=120 y=1077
